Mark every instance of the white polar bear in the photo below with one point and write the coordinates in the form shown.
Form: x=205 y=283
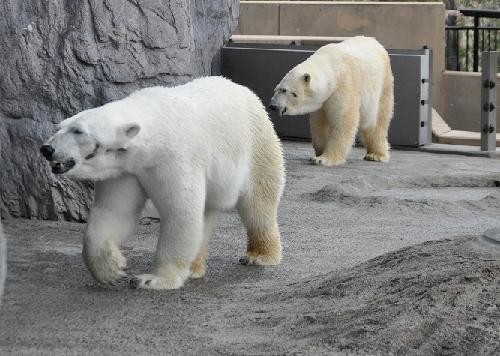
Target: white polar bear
x=344 y=86
x=194 y=150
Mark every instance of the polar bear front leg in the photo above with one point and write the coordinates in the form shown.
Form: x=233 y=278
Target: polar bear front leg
x=319 y=131
x=343 y=127
x=181 y=205
x=113 y=218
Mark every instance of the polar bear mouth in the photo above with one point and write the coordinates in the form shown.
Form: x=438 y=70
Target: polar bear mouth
x=94 y=152
x=62 y=167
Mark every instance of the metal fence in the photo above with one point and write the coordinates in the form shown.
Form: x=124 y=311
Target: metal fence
x=465 y=44
x=460 y=50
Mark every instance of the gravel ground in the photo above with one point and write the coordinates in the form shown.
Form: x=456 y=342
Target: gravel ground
x=378 y=259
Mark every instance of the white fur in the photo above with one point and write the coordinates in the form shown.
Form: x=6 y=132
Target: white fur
x=194 y=149
x=345 y=86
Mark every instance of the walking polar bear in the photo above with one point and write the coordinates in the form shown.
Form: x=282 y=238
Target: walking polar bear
x=344 y=86
x=194 y=150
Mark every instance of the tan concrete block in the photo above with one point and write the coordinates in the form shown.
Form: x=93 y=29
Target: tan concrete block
x=257 y=18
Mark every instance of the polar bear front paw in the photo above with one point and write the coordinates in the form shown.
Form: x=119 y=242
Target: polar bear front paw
x=376 y=157
x=324 y=161
x=107 y=266
x=260 y=260
x=151 y=281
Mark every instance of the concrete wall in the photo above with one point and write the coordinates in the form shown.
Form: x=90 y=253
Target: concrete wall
x=395 y=25
x=462 y=100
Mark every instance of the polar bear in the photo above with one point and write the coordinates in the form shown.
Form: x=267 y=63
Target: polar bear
x=344 y=86
x=194 y=150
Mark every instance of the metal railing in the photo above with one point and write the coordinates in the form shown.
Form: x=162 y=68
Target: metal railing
x=464 y=44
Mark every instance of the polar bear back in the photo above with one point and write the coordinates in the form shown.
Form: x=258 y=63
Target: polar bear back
x=210 y=112
x=210 y=124
x=369 y=59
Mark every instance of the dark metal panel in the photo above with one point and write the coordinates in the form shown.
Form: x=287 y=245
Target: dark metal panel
x=405 y=125
x=261 y=67
x=261 y=70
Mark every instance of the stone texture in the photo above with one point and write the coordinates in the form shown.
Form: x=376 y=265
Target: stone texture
x=59 y=57
x=3 y=262
x=492 y=235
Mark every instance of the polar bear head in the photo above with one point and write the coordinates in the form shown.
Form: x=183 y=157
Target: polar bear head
x=303 y=90
x=92 y=144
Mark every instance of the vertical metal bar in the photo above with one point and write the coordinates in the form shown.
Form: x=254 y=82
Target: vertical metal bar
x=488 y=100
x=467 y=50
x=429 y=60
x=476 y=44
x=482 y=40
x=458 y=50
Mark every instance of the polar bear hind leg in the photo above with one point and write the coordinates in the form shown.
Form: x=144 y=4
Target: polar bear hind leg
x=113 y=218
x=258 y=207
x=263 y=238
x=375 y=138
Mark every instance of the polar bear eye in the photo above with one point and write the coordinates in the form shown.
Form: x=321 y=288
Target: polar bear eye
x=283 y=90
x=294 y=95
x=76 y=131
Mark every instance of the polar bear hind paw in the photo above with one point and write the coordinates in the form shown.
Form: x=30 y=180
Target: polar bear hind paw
x=374 y=157
x=198 y=270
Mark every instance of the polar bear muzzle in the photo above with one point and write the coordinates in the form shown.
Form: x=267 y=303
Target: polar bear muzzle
x=57 y=166
x=280 y=109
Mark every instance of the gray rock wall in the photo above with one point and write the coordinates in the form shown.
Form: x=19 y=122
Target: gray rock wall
x=59 y=57
x=3 y=262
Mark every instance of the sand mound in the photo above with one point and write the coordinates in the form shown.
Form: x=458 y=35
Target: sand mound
x=433 y=298
x=440 y=193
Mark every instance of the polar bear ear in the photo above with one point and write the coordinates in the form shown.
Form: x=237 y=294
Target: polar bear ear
x=131 y=130
x=125 y=133
x=307 y=77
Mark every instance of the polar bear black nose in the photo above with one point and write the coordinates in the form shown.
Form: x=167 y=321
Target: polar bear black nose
x=273 y=107
x=47 y=151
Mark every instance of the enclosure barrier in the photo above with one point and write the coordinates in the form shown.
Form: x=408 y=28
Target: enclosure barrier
x=260 y=64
